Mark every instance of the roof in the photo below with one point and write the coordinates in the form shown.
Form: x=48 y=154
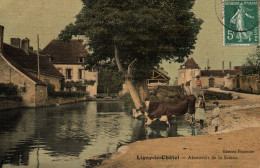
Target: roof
x=163 y=72
x=191 y=64
x=27 y=63
x=65 y=52
x=219 y=73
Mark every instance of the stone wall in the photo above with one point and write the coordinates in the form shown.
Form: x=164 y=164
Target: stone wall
x=10 y=104
x=41 y=95
x=25 y=85
x=59 y=101
x=55 y=81
x=92 y=76
x=218 y=81
x=248 y=84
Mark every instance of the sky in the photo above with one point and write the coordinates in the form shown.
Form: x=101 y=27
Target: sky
x=27 y=18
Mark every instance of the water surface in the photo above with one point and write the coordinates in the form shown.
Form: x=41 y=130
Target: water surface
x=64 y=136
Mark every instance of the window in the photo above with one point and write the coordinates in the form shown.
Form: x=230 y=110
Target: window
x=81 y=59
x=68 y=74
x=80 y=73
x=192 y=73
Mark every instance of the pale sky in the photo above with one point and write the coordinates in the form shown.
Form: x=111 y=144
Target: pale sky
x=26 y=18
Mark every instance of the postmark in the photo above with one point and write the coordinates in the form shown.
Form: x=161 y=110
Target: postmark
x=241 y=23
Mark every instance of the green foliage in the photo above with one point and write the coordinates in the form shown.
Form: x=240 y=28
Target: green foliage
x=147 y=30
x=8 y=90
x=79 y=83
x=252 y=63
x=89 y=82
x=110 y=80
x=63 y=94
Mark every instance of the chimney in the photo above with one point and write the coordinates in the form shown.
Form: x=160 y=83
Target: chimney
x=16 y=42
x=26 y=44
x=230 y=65
x=208 y=65
x=223 y=67
x=1 y=38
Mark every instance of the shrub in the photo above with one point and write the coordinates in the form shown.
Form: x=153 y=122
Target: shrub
x=8 y=90
x=63 y=94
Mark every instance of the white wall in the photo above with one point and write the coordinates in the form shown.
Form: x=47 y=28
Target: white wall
x=86 y=75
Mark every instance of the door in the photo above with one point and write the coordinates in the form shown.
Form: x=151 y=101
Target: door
x=211 y=82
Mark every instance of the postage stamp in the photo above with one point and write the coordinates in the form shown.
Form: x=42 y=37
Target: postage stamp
x=241 y=24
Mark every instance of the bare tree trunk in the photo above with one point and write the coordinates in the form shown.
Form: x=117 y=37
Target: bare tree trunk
x=134 y=94
x=143 y=90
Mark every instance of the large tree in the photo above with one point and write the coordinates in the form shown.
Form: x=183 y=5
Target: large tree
x=138 y=34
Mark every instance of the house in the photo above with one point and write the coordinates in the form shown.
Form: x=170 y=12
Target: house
x=158 y=77
x=68 y=58
x=19 y=66
x=187 y=74
x=209 y=78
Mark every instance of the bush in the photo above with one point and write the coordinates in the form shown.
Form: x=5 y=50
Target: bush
x=63 y=94
x=8 y=90
x=51 y=90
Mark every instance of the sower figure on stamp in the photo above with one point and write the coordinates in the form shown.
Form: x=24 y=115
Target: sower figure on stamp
x=200 y=111
x=215 y=115
x=239 y=20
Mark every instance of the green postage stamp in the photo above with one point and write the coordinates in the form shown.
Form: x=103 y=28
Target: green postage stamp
x=241 y=24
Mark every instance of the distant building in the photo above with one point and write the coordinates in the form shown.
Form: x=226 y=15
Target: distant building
x=187 y=74
x=209 y=78
x=68 y=58
x=19 y=66
x=158 y=77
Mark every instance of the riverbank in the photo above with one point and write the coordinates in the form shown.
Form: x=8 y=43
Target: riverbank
x=235 y=149
x=237 y=144
x=8 y=104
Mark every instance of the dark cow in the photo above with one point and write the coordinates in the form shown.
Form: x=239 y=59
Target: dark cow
x=166 y=110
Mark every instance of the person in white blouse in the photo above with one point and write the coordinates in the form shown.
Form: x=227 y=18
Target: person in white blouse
x=215 y=115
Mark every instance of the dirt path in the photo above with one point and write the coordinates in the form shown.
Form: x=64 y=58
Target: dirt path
x=239 y=131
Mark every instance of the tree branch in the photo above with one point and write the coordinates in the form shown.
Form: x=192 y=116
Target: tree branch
x=129 y=70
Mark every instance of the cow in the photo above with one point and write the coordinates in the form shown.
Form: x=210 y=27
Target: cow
x=164 y=111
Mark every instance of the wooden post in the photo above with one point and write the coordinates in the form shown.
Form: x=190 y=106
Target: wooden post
x=38 y=56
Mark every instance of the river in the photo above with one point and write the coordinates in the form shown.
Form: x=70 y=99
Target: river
x=64 y=136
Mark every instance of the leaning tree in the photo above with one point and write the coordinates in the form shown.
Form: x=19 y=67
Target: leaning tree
x=138 y=34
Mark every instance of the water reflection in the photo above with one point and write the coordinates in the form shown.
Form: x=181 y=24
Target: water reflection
x=64 y=136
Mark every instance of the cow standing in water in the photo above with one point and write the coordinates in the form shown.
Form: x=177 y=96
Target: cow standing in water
x=164 y=111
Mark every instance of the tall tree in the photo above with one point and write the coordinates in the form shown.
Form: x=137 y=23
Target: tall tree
x=252 y=63
x=139 y=34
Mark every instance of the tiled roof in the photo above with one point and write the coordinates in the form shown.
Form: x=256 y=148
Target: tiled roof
x=28 y=62
x=191 y=64
x=219 y=73
x=65 y=52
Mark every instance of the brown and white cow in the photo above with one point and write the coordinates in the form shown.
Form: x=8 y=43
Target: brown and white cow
x=164 y=111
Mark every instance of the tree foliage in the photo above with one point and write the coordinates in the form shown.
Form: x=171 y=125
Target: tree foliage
x=147 y=30
x=252 y=63
x=110 y=80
